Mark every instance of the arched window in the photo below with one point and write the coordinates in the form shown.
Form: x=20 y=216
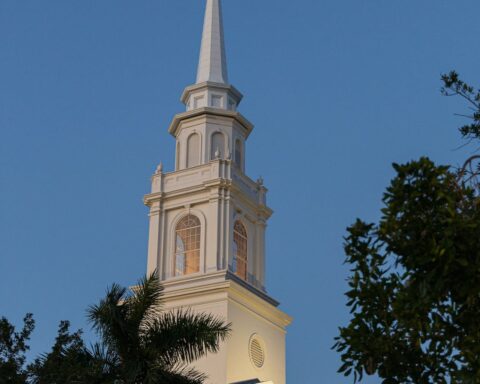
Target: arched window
x=240 y=250
x=217 y=145
x=187 y=246
x=193 y=150
x=238 y=153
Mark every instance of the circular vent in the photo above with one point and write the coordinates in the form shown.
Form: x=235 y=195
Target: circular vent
x=257 y=351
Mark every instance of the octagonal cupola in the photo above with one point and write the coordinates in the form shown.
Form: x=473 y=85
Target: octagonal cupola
x=211 y=128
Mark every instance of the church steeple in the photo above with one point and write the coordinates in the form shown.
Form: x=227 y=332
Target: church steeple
x=208 y=221
x=212 y=65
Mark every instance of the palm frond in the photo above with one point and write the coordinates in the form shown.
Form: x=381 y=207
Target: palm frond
x=145 y=303
x=104 y=360
x=108 y=309
x=109 y=318
x=179 y=374
x=142 y=344
x=185 y=336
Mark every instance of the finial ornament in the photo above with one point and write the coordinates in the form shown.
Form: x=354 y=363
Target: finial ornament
x=159 y=168
x=260 y=181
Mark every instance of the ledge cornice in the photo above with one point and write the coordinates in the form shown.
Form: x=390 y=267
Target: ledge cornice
x=174 y=126
x=236 y=290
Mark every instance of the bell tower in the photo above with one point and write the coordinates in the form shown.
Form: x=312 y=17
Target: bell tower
x=208 y=221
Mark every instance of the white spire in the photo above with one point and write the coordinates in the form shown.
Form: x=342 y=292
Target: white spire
x=212 y=65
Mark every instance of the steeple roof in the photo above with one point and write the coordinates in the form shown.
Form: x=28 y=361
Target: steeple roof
x=212 y=66
x=212 y=89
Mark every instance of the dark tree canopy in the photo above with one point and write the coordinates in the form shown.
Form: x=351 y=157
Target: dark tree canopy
x=13 y=346
x=69 y=361
x=454 y=86
x=415 y=275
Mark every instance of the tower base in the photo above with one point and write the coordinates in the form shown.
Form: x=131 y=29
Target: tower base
x=255 y=350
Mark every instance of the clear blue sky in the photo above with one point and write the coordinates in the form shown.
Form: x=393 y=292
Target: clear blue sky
x=338 y=90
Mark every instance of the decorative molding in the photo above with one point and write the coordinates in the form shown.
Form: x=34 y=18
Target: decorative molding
x=198 y=285
x=208 y=111
x=237 y=95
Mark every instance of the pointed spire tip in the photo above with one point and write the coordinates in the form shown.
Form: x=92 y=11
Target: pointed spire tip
x=212 y=64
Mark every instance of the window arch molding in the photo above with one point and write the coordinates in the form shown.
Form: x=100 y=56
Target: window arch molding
x=223 y=147
x=193 y=152
x=169 y=261
x=238 y=152
x=240 y=249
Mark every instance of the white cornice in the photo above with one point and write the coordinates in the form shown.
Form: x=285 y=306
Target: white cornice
x=206 y=186
x=226 y=283
x=208 y=111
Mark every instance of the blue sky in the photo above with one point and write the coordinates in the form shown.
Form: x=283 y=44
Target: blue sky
x=338 y=90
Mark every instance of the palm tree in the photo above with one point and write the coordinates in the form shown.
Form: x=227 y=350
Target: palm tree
x=141 y=344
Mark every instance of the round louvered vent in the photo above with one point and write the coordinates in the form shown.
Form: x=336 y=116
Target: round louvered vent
x=257 y=351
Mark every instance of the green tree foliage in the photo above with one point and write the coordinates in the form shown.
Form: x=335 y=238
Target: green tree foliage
x=13 y=346
x=69 y=361
x=415 y=275
x=454 y=86
x=147 y=345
